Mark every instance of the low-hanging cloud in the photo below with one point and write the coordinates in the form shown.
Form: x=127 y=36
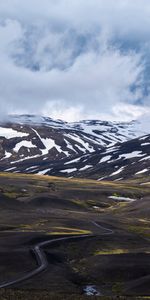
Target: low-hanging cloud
x=74 y=59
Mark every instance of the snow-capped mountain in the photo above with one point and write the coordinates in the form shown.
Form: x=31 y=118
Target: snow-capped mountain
x=36 y=144
x=125 y=160
x=25 y=137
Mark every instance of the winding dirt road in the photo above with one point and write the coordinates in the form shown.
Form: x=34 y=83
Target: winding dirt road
x=42 y=259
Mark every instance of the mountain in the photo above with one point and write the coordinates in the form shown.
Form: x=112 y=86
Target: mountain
x=130 y=159
x=91 y=148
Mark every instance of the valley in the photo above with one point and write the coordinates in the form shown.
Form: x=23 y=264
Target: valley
x=74 y=150
x=88 y=237
x=74 y=209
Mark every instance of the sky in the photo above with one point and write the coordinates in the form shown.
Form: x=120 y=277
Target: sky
x=75 y=59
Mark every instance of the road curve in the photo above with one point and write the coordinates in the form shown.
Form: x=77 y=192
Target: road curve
x=109 y=231
x=41 y=257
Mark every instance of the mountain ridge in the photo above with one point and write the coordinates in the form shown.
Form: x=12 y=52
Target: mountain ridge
x=42 y=145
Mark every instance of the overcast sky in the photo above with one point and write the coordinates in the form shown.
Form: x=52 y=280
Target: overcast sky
x=75 y=59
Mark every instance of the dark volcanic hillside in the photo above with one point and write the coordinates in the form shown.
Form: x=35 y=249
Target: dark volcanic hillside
x=92 y=149
x=122 y=161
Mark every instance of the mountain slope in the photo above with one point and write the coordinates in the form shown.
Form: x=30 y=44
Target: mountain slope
x=122 y=161
x=93 y=149
x=21 y=139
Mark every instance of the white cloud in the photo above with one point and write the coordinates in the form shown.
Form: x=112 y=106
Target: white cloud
x=59 y=110
x=127 y=112
x=10 y=31
x=97 y=81
x=63 y=58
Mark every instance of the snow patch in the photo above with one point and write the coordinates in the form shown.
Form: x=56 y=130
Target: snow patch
x=10 y=169
x=49 y=144
x=69 y=170
x=26 y=144
x=145 y=158
x=31 y=168
x=43 y=172
x=86 y=167
x=7 y=155
x=131 y=155
x=104 y=159
x=72 y=161
x=117 y=172
x=121 y=198
x=141 y=172
x=145 y=144
x=101 y=178
x=22 y=159
x=79 y=140
x=9 y=133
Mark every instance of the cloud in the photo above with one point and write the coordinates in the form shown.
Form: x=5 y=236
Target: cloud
x=77 y=59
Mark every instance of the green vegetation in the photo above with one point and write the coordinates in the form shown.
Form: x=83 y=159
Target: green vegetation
x=111 y=252
x=143 y=231
x=117 y=288
x=70 y=231
x=79 y=202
